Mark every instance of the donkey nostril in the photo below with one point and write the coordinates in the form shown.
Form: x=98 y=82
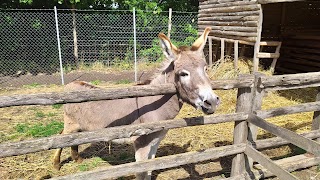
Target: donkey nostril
x=207 y=102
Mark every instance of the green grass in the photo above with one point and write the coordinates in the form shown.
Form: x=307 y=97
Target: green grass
x=57 y=106
x=124 y=81
x=95 y=82
x=39 y=129
x=33 y=85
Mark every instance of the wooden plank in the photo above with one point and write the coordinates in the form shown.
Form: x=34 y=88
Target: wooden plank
x=229 y=18
x=278 y=141
x=292 y=164
x=274 y=61
x=305 y=107
x=210 y=51
x=226 y=23
x=227 y=4
x=107 y=94
x=236 y=54
x=231 y=40
x=222 y=43
x=268 y=55
x=298 y=140
x=292 y=81
x=267 y=163
x=240 y=132
x=230 y=9
x=316 y=115
x=256 y=48
x=155 y=164
x=244 y=13
x=276 y=1
x=270 y=43
x=234 y=28
x=107 y=134
x=233 y=33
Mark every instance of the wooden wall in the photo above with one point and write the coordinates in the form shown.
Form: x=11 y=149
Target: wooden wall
x=232 y=19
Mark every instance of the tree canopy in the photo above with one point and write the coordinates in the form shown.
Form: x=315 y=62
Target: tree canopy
x=150 y=5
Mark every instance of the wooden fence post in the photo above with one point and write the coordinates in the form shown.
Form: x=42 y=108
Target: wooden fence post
x=256 y=103
x=248 y=100
x=240 y=132
x=316 y=116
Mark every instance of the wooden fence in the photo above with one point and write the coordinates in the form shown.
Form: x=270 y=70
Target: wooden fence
x=247 y=118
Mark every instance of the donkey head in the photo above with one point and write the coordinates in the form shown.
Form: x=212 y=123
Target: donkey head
x=190 y=77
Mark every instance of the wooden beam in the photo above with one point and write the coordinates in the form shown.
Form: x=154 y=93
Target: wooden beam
x=270 y=43
x=155 y=164
x=276 y=1
x=244 y=13
x=222 y=43
x=226 y=23
x=268 y=55
x=234 y=28
x=290 y=164
x=240 y=132
x=278 y=141
x=274 y=61
x=236 y=54
x=292 y=81
x=107 y=94
x=298 y=140
x=229 y=18
x=268 y=164
x=232 y=40
x=210 y=51
x=230 y=9
x=107 y=134
x=305 y=107
x=256 y=48
x=227 y=4
x=316 y=115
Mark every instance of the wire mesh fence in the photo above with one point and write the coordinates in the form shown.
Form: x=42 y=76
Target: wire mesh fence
x=95 y=45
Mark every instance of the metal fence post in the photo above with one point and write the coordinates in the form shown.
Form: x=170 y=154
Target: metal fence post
x=135 y=45
x=58 y=40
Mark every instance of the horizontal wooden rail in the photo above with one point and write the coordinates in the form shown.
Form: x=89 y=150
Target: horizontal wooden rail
x=155 y=164
x=107 y=134
x=292 y=81
x=270 y=43
x=108 y=94
x=269 y=164
x=298 y=140
x=305 y=107
x=276 y=1
x=268 y=55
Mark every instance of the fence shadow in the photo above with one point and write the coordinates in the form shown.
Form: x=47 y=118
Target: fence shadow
x=300 y=94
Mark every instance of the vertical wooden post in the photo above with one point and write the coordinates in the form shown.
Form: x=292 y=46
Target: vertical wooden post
x=240 y=132
x=210 y=51
x=257 y=44
x=169 y=22
x=316 y=116
x=274 y=61
x=222 y=48
x=236 y=54
x=256 y=103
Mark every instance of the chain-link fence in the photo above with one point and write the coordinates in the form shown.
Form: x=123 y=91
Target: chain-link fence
x=95 y=45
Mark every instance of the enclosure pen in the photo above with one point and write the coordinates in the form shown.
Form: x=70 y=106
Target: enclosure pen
x=251 y=88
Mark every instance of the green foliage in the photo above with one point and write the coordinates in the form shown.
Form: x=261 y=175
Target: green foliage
x=57 y=106
x=32 y=85
x=95 y=82
x=123 y=81
x=95 y=162
x=39 y=129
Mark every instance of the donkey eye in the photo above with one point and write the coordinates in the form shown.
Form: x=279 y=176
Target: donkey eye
x=183 y=74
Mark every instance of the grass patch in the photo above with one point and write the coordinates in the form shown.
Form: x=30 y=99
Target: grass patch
x=39 y=129
x=124 y=81
x=33 y=85
x=57 y=106
x=96 y=82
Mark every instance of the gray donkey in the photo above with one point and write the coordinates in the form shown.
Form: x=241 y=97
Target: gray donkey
x=185 y=67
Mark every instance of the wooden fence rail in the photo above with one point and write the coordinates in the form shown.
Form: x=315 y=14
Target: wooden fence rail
x=250 y=88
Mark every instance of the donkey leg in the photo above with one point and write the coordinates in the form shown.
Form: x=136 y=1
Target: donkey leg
x=56 y=157
x=145 y=148
x=75 y=154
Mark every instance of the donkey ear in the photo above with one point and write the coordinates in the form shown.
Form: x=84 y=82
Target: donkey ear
x=168 y=49
x=199 y=44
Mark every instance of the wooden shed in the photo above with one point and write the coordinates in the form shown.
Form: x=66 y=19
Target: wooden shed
x=267 y=27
